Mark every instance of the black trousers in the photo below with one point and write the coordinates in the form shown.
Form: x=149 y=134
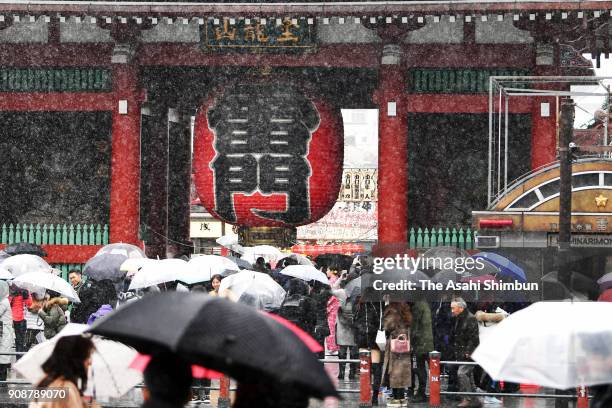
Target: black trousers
x=20 y=335
x=421 y=372
x=345 y=352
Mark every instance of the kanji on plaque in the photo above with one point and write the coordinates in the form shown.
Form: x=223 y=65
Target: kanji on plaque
x=267 y=155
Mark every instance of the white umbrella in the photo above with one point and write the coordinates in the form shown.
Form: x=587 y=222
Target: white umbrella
x=267 y=252
x=127 y=250
x=5 y=274
x=34 y=281
x=553 y=344
x=202 y=268
x=133 y=265
x=230 y=242
x=109 y=374
x=254 y=289
x=158 y=271
x=305 y=272
x=20 y=264
x=301 y=259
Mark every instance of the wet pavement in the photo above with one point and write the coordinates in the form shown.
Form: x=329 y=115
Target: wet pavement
x=350 y=400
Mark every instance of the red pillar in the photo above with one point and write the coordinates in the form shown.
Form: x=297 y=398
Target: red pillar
x=543 y=126
x=125 y=159
x=434 y=379
x=365 y=380
x=392 y=150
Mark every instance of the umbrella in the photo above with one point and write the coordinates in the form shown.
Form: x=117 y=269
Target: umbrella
x=606 y=296
x=441 y=258
x=34 y=281
x=140 y=363
x=506 y=267
x=105 y=266
x=578 y=282
x=301 y=259
x=306 y=273
x=480 y=279
x=111 y=377
x=159 y=271
x=553 y=344
x=230 y=242
x=447 y=275
x=126 y=250
x=203 y=268
x=25 y=248
x=20 y=264
x=311 y=343
x=132 y=265
x=3 y=256
x=267 y=252
x=5 y=274
x=254 y=289
x=242 y=264
x=605 y=282
x=339 y=261
x=221 y=335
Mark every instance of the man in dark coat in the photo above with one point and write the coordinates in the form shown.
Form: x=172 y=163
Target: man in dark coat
x=464 y=340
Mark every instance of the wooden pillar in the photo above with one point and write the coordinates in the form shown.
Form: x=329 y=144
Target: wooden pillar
x=179 y=182
x=125 y=158
x=544 y=111
x=155 y=157
x=392 y=150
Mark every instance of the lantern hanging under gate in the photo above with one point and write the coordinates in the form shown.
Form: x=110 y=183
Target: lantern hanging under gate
x=267 y=158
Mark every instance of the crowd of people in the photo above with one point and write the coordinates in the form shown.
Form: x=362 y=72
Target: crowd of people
x=399 y=335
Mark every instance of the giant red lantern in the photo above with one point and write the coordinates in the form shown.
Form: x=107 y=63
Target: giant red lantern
x=265 y=154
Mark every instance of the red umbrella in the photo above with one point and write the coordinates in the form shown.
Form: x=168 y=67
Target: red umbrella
x=606 y=296
x=140 y=363
x=311 y=343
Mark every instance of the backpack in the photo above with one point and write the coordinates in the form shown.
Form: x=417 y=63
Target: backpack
x=293 y=309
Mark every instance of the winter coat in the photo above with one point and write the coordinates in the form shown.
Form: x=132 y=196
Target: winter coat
x=321 y=329
x=345 y=335
x=398 y=366
x=54 y=320
x=89 y=303
x=7 y=334
x=101 y=312
x=422 y=336
x=366 y=323
x=332 y=317
x=464 y=336
x=73 y=397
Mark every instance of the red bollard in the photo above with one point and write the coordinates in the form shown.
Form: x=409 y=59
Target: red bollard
x=583 y=398
x=365 y=381
x=224 y=392
x=434 y=378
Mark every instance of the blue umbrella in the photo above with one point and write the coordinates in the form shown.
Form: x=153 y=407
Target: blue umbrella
x=505 y=266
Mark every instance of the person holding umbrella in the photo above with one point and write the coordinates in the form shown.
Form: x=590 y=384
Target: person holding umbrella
x=67 y=368
x=7 y=335
x=50 y=313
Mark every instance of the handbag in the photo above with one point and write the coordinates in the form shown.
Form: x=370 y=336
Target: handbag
x=381 y=337
x=401 y=344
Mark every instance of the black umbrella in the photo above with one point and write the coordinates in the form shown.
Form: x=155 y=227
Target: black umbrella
x=221 y=335
x=339 y=261
x=25 y=248
x=105 y=266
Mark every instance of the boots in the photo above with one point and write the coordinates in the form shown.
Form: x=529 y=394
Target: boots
x=376 y=377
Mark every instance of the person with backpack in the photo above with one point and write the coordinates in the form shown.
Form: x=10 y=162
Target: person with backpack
x=297 y=307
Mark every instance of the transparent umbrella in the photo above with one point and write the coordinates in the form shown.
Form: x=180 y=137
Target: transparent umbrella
x=553 y=344
x=254 y=289
x=20 y=264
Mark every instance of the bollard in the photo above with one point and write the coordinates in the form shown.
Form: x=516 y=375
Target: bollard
x=365 y=384
x=583 y=398
x=434 y=378
x=224 y=392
